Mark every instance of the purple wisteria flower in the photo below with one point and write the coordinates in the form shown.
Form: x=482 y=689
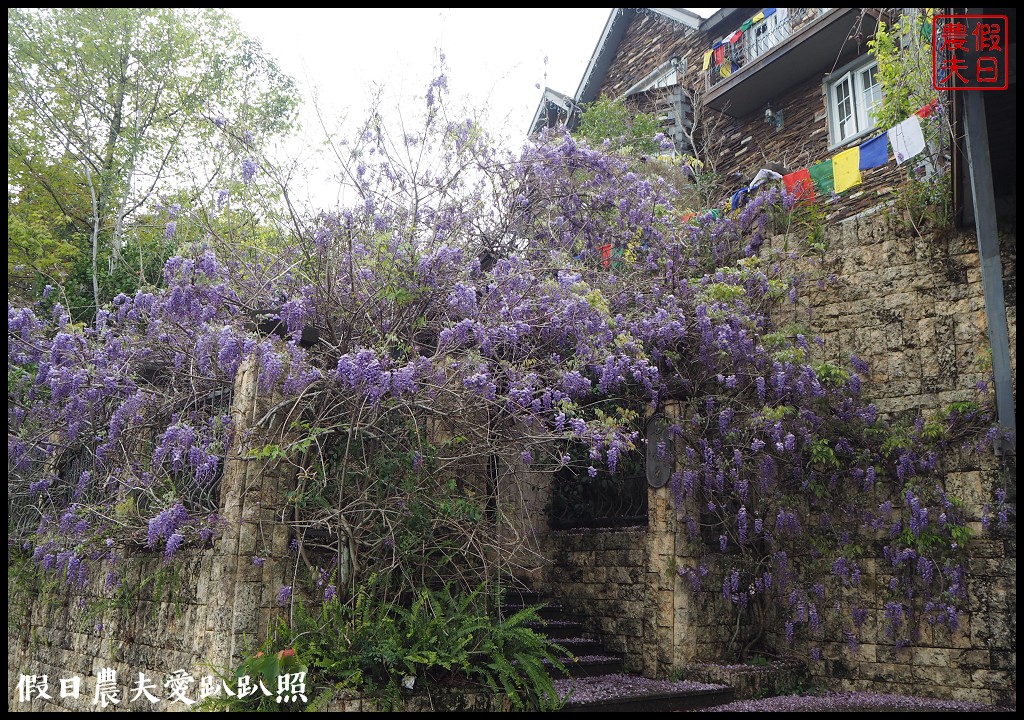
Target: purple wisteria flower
x=249 y=168
x=174 y=543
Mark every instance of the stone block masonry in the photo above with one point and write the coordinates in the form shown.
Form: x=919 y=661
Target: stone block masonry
x=911 y=307
x=202 y=614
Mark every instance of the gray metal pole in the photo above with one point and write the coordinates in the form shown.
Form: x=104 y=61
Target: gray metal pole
x=991 y=266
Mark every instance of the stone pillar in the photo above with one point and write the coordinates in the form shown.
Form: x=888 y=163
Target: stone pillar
x=243 y=596
x=669 y=639
x=522 y=496
x=660 y=625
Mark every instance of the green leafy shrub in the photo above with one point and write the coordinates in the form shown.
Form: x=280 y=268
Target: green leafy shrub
x=632 y=133
x=266 y=682
x=438 y=637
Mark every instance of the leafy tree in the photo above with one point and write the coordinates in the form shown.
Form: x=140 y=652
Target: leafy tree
x=611 y=121
x=107 y=108
x=904 y=53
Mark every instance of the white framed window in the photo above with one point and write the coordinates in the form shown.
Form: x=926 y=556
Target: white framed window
x=852 y=94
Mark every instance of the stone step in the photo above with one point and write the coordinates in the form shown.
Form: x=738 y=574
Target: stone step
x=523 y=596
x=621 y=692
x=587 y=657
x=582 y=645
x=558 y=629
x=548 y=611
x=585 y=666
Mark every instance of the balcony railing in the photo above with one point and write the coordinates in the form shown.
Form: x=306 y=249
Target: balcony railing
x=752 y=40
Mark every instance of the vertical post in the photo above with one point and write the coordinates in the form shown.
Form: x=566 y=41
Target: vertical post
x=980 y=166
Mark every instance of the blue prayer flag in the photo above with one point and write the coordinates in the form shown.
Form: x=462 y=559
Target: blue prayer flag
x=737 y=197
x=875 y=152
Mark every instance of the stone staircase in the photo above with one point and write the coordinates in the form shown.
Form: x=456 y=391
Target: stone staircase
x=596 y=680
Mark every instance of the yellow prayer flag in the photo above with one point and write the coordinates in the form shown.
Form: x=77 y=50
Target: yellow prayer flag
x=726 y=68
x=846 y=169
x=707 y=60
x=758 y=18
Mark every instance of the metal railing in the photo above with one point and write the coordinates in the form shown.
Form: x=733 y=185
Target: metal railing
x=757 y=40
x=606 y=500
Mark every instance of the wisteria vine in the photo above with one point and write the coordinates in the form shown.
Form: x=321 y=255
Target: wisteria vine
x=470 y=329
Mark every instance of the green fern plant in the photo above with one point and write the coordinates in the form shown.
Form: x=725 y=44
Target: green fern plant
x=517 y=662
x=386 y=648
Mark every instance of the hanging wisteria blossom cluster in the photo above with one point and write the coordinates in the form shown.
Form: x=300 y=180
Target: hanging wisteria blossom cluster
x=470 y=327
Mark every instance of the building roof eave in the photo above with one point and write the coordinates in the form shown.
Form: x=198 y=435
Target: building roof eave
x=608 y=44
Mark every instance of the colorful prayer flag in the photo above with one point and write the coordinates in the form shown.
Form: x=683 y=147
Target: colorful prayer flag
x=736 y=36
x=846 y=169
x=821 y=174
x=875 y=152
x=799 y=183
x=928 y=109
x=906 y=139
x=737 y=198
x=707 y=59
x=746 y=25
x=758 y=18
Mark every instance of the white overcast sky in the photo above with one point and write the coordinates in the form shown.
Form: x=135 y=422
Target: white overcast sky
x=494 y=57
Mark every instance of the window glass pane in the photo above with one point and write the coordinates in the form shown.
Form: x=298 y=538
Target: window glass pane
x=871 y=94
x=846 y=123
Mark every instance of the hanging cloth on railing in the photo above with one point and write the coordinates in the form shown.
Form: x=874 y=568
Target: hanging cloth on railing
x=928 y=109
x=707 y=59
x=763 y=176
x=737 y=198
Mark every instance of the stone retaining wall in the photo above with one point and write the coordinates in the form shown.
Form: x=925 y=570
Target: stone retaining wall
x=913 y=308
x=200 y=615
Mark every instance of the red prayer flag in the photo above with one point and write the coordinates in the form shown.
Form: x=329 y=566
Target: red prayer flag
x=799 y=183
x=606 y=254
x=928 y=109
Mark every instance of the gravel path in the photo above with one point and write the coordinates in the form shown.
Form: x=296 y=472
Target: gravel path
x=855 y=702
